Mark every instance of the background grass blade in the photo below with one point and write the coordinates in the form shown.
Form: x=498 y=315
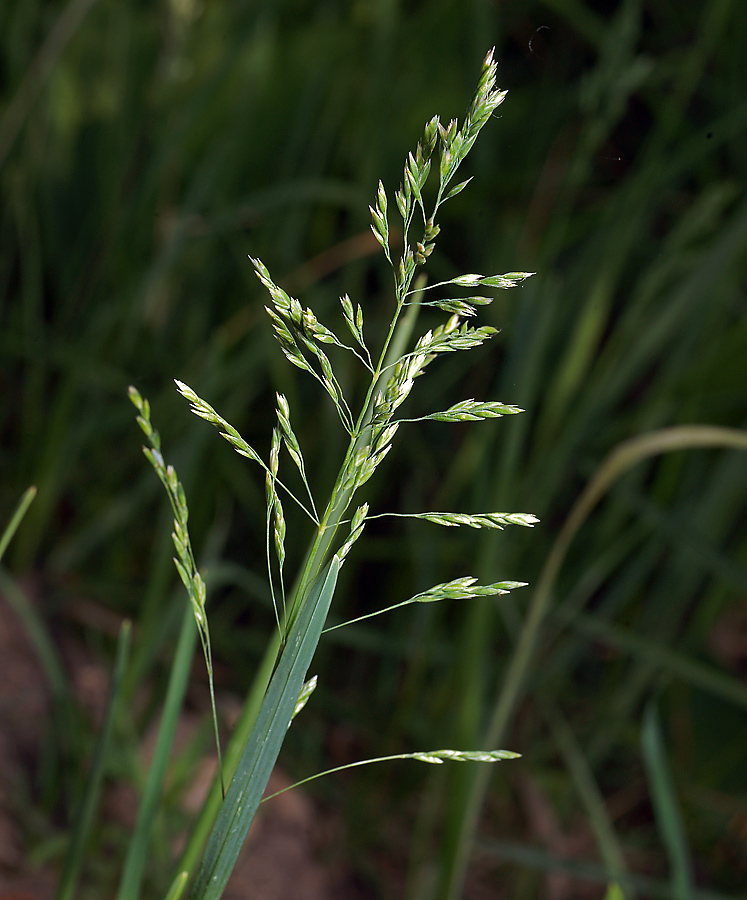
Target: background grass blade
x=15 y=113
x=622 y=458
x=177 y=886
x=138 y=851
x=591 y=795
x=703 y=676
x=667 y=808
x=68 y=884
x=17 y=518
x=528 y=858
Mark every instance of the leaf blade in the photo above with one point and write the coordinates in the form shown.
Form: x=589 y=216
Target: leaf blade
x=247 y=786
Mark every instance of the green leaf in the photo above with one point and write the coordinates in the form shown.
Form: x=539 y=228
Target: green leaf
x=248 y=783
x=139 y=847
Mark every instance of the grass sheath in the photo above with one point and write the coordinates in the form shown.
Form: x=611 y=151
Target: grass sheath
x=262 y=748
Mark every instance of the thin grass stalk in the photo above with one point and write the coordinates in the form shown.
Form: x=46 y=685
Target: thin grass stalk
x=16 y=519
x=178 y=886
x=138 y=851
x=666 y=806
x=60 y=759
x=593 y=801
x=434 y=757
x=44 y=647
x=76 y=855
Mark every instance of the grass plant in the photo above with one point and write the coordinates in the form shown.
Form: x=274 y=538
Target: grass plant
x=301 y=614
x=146 y=155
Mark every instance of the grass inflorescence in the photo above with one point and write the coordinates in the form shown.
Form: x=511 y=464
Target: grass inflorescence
x=301 y=616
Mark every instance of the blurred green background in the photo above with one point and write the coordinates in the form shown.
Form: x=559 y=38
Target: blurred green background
x=147 y=149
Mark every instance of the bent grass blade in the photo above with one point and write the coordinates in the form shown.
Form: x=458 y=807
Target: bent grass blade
x=10 y=530
x=623 y=457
